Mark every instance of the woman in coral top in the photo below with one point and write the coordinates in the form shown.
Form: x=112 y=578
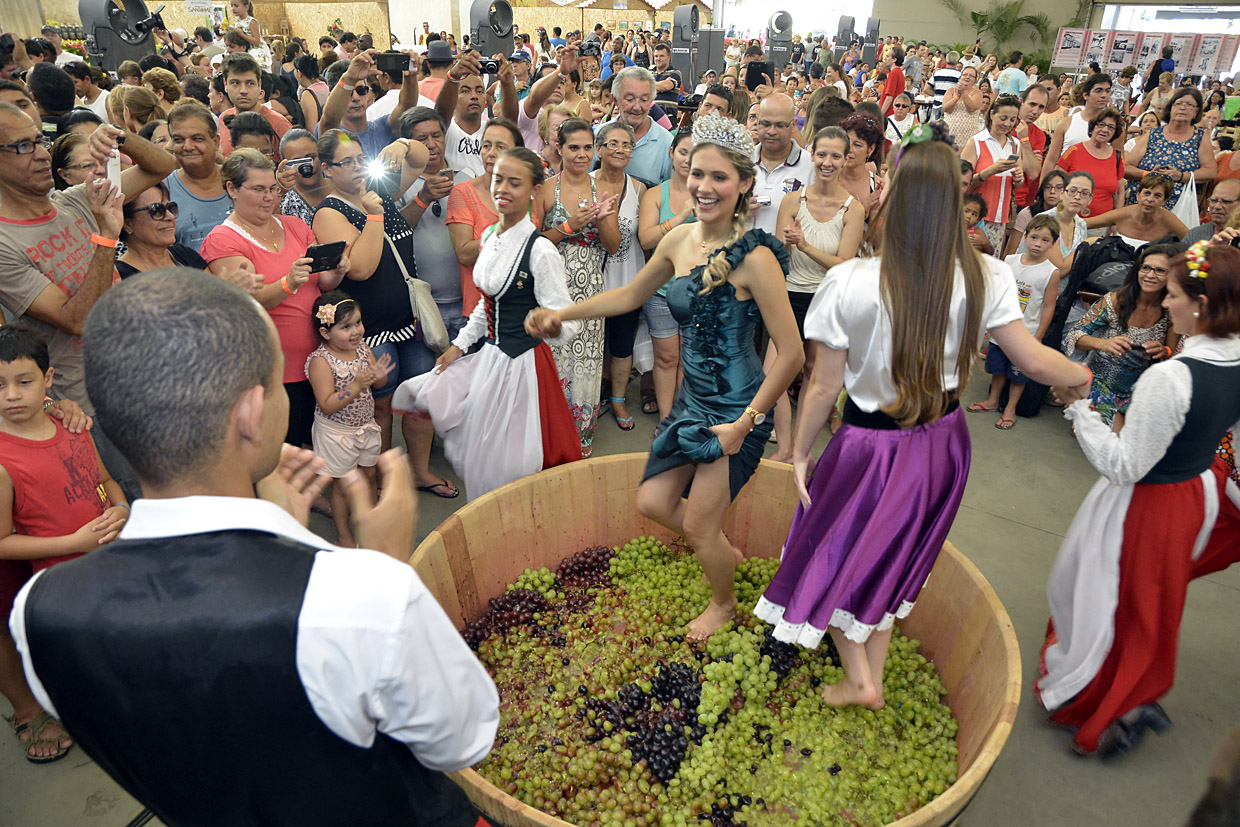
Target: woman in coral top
x=1098 y=157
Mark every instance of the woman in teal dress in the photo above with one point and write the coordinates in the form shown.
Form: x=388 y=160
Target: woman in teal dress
x=710 y=444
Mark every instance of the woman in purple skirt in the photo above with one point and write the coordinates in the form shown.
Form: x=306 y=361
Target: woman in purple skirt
x=901 y=332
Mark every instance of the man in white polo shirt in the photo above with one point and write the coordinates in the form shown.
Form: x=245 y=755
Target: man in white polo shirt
x=782 y=166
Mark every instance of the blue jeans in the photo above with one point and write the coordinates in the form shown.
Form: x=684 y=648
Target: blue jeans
x=453 y=316
x=410 y=358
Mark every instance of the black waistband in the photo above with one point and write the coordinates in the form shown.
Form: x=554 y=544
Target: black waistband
x=879 y=421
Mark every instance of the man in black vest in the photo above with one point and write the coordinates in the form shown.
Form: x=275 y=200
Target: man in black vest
x=222 y=663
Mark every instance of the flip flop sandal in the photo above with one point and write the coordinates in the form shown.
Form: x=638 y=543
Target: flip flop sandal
x=35 y=726
x=1011 y=424
x=447 y=486
x=650 y=405
x=625 y=422
x=980 y=407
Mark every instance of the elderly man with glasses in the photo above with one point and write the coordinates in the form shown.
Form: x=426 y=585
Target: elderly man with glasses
x=782 y=165
x=1220 y=207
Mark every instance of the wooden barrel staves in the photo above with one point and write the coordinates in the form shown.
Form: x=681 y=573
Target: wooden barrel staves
x=539 y=520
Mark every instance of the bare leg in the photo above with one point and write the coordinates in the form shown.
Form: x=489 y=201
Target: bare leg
x=666 y=368
x=1014 y=394
x=783 y=414
x=858 y=686
x=661 y=498
x=620 y=370
x=383 y=418
x=13 y=686
x=419 y=432
x=340 y=516
x=703 y=523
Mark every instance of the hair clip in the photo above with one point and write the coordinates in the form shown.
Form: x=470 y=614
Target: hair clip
x=326 y=314
x=1198 y=266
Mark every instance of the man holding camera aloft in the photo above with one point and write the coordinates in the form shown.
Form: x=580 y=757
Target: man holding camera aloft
x=462 y=104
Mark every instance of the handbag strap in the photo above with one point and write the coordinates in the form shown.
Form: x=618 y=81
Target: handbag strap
x=400 y=262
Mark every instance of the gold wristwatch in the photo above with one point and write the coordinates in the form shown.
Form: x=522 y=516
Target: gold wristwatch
x=755 y=415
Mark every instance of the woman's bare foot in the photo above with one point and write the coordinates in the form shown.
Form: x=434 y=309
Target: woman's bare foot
x=781 y=456
x=847 y=693
x=715 y=616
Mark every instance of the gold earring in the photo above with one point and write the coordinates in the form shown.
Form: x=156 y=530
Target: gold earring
x=1196 y=314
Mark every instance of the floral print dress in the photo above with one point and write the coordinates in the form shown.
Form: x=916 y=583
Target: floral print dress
x=580 y=361
x=1162 y=152
x=1115 y=376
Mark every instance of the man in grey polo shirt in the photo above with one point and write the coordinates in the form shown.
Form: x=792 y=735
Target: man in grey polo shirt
x=782 y=166
x=651 y=161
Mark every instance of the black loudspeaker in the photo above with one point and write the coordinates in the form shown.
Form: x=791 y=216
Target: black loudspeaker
x=116 y=32
x=847 y=29
x=869 y=53
x=490 y=27
x=685 y=22
x=685 y=44
x=779 y=40
x=871 y=30
x=710 y=52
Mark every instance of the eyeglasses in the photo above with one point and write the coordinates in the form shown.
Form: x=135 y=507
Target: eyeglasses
x=1053 y=188
x=1214 y=199
x=774 y=124
x=622 y=146
x=1158 y=271
x=1078 y=193
x=157 y=211
x=349 y=163
x=263 y=191
x=20 y=148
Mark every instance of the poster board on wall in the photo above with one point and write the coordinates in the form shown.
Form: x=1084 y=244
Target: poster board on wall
x=1123 y=51
x=1205 y=57
x=1069 y=47
x=1182 y=46
x=1097 y=47
x=1149 y=48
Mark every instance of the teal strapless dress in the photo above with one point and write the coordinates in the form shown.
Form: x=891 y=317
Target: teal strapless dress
x=722 y=371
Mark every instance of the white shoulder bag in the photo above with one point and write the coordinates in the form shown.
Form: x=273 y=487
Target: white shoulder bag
x=434 y=332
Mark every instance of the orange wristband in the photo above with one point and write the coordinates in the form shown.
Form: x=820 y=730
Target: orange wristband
x=417 y=199
x=377 y=218
x=284 y=286
x=103 y=241
x=565 y=228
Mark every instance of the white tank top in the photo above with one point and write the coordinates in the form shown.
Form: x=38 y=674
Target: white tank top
x=805 y=274
x=1078 y=131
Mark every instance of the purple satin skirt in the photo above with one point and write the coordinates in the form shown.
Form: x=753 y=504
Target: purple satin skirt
x=883 y=502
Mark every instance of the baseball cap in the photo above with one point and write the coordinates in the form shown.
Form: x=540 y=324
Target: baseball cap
x=521 y=54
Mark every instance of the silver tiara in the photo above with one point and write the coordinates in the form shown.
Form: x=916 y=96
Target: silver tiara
x=725 y=132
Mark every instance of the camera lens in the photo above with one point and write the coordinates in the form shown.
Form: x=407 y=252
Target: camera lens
x=306 y=170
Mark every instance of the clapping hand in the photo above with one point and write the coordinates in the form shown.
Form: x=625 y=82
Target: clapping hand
x=382 y=369
x=606 y=207
x=296 y=483
x=793 y=236
x=391 y=525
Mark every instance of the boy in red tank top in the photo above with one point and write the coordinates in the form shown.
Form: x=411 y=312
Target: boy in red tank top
x=56 y=502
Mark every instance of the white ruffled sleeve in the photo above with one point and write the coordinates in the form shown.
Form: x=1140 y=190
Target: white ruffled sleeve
x=474 y=329
x=551 y=286
x=1160 y=402
x=824 y=320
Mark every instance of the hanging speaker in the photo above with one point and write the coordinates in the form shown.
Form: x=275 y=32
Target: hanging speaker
x=685 y=19
x=780 y=26
x=847 y=24
x=871 y=30
x=490 y=26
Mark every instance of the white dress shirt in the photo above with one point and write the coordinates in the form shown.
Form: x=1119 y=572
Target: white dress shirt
x=792 y=175
x=375 y=651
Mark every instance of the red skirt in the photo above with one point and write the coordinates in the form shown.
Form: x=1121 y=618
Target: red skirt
x=1161 y=528
x=559 y=432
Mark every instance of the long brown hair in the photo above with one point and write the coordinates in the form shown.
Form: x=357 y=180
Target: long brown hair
x=924 y=239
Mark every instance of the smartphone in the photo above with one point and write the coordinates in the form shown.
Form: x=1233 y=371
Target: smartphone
x=1013 y=157
x=325 y=256
x=114 y=170
x=446 y=173
x=754 y=72
x=389 y=62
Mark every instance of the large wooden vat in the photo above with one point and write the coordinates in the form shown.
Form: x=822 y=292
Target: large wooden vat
x=539 y=520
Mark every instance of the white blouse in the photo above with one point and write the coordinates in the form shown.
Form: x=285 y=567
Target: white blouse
x=499 y=256
x=848 y=313
x=1160 y=402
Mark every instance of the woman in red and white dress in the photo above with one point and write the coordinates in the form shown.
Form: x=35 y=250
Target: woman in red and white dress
x=1164 y=513
x=501 y=411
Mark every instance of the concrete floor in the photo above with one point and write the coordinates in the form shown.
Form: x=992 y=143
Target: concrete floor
x=1024 y=489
